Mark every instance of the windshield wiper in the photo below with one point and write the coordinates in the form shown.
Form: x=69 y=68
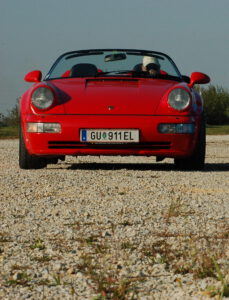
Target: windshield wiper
x=116 y=72
x=132 y=73
x=141 y=74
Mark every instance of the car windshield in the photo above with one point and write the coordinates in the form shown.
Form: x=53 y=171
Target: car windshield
x=103 y=63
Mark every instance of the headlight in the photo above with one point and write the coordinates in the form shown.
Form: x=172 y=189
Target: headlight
x=179 y=99
x=42 y=98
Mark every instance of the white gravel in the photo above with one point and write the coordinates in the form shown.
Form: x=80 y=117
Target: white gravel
x=114 y=227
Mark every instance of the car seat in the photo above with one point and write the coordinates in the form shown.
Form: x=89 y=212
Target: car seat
x=137 y=68
x=83 y=70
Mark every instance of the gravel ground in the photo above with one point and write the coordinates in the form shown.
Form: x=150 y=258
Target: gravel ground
x=114 y=228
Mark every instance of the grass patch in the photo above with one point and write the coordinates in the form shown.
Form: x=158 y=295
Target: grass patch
x=217 y=129
x=9 y=132
x=195 y=255
x=106 y=283
x=199 y=255
x=104 y=279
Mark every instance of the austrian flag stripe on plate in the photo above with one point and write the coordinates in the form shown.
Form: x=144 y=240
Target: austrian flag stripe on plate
x=110 y=135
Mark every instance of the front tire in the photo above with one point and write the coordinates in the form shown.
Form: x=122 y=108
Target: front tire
x=195 y=162
x=27 y=161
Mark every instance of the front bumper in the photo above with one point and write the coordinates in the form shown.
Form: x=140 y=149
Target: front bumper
x=152 y=143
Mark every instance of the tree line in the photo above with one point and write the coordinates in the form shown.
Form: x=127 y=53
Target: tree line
x=11 y=118
x=216 y=104
x=216 y=107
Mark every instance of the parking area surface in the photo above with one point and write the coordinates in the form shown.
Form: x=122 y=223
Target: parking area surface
x=114 y=227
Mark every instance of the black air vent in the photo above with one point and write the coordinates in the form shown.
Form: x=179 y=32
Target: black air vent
x=78 y=145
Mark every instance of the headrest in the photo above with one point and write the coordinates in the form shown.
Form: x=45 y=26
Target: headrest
x=149 y=59
x=152 y=66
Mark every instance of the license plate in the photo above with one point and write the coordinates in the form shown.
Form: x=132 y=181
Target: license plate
x=109 y=135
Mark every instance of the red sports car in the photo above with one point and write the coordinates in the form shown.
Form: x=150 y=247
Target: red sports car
x=112 y=102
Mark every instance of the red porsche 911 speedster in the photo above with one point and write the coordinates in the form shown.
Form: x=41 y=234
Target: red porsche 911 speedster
x=112 y=102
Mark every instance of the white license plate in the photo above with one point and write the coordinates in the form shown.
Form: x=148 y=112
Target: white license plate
x=109 y=135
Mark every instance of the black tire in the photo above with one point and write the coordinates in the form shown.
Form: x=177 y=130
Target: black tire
x=27 y=161
x=195 y=162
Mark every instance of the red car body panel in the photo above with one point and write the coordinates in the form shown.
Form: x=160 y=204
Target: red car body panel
x=111 y=103
x=93 y=96
x=68 y=141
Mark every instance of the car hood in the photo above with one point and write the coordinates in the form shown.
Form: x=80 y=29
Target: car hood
x=111 y=96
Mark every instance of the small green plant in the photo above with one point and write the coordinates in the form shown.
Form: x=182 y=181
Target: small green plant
x=38 y=244
x=22 y=278
x=128 y=245
x=43 y=258
x=75 y=225
x=91 y=239
x=126 y=223
x=161 y=252
x=44 y=282
x=100 y=248
x=204 y=266
x=223 y=290
x=122 y=193
x=175 y=208
x=213 y=291
x=4 y=238
x=57 y=279
x=19 y=267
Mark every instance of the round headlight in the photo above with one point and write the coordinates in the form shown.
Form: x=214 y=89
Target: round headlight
x=179 y=99
x=42 y=98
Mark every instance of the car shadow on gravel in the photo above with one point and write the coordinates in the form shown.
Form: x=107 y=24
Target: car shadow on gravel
x=218 y=167
x=209 y=167
x=120 y=166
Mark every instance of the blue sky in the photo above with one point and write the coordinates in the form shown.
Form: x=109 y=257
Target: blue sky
x=34 y=33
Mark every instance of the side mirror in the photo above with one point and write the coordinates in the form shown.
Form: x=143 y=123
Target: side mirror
x=198 y=78
x=33 y=76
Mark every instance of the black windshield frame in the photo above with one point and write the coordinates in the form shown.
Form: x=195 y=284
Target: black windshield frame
x=101 y=51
